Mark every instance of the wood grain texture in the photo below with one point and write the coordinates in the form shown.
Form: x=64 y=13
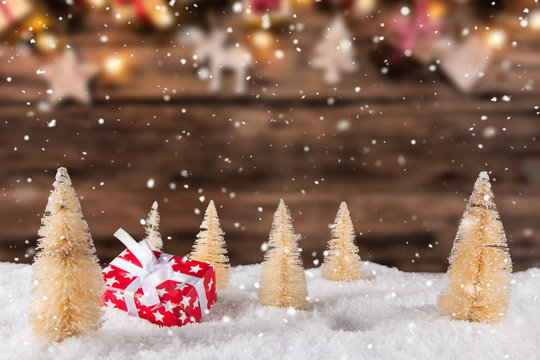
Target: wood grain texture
x=403 y=151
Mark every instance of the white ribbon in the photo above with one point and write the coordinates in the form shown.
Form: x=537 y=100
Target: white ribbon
x=152 y=273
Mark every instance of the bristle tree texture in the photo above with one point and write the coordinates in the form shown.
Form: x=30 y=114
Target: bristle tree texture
x=67 y=285
x=283 y=282
x=478 y=287
x=210 y=246
x=341 y=260
x=151 y=226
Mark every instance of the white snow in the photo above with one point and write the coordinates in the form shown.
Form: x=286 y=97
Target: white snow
x=388 y=315
x=484 y=175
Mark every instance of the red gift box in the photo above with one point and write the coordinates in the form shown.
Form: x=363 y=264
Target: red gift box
x=162 y=288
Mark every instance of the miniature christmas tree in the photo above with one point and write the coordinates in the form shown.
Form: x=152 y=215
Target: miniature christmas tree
x=478 y=286
x=66 y=278
x=283 y=282
x=210 y=246
x=342 y=263
x=151 y=225
x=335 y=53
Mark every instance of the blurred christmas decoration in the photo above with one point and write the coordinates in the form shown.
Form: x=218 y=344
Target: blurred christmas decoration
x=479 y=284
x=22 y=21
x=496 y=38
x=115 y=69
x=262 y=39
x=364 y=7
x=266 y=13
x=46 y=42
x=155 y=13
x=212 y=47
x=335 y=53
x=98 y=4
x=68 y=78
x=264 y=46
x=302 y=3
x=463 y=62
x=439 y=9
x=413 y=35
x=13 y=12
x=534 y=19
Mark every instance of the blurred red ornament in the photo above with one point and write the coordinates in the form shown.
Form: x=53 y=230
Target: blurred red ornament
x=413 y=34
x=154 y=13
x=266 y=13
x=262 y=6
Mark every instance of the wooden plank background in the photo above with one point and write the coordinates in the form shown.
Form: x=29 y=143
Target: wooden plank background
x=291 y=136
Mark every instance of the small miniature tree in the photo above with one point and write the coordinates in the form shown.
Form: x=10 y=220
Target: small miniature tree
x=67 y=285
x=151 y=226
x=283 y=282
x=478 y=286
x=341 y=261
x=210 y=246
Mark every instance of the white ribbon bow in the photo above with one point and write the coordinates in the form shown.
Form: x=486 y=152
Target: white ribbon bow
x=152 y=273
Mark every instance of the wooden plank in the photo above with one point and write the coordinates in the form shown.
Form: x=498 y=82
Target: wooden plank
x=401 y=209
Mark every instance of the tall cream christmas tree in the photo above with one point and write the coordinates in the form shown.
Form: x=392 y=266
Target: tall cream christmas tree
x=341 y=261
x=478 y=286
x=283 y=282
x=66 y=284
x=151 y=225
x=210 y=246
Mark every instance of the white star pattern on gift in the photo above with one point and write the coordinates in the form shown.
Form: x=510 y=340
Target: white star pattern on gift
x=109 y=303
x=107 y=270
x=161 y=292
x=195 y=269
x=185 y=301
x=182 y=316
x=142 y=300
x=111 y=281
x=119 y=295
x=180 y=287
x=210 y=284
x=168 y=305
x=131 y=276
x=158 y=315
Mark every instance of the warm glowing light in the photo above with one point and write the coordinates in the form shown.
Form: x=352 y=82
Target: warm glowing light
x=437 y=9
x=303 y=2
x=161 y=17
x=262 y=39
x=100 y=4
x=46 y=42
x=114 y=65
x=496 y=38
x=534 y=20
x=364 y=7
